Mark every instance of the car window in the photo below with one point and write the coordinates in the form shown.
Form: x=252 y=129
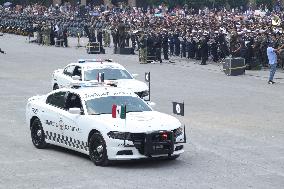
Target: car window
x=103 y=105
x=110 y=74
x=57 y=99
x=69 y=70
x=77 y=71
x=73 y=101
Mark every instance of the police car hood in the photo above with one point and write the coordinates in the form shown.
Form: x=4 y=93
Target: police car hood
x=132 y=84
x=141 y=122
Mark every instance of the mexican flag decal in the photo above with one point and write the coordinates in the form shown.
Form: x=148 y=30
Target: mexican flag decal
x=119 y=111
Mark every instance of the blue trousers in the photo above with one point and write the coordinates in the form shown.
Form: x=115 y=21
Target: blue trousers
x=272 y=71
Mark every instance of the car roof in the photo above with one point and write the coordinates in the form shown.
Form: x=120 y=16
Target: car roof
x=87 y=93
x=98 y=65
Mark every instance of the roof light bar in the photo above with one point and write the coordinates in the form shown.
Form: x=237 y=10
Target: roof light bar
x=93 y=60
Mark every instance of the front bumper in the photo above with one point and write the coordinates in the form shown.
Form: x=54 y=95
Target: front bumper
x=135 y=155
x=130 y=150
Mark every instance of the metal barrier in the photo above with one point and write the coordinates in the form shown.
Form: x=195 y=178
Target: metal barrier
x=149 y=58
x=93 y=47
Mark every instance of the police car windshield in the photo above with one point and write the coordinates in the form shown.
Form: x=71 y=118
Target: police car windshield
x=104 y=105
x=109 y=74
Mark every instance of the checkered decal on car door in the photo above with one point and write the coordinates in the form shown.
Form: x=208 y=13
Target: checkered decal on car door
x=68 y=141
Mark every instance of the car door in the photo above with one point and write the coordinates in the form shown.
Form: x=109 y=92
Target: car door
x=72 y=132
x=66 y=77
x=52 y=124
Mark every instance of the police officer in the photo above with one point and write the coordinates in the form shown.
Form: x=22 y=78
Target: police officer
x=256 y=48
x=176 y=43
x=198 y=48
x=263 y=49
x=100 y=40
x=204 y=49
x=171 y=44
x=52 y=34
x=191 y=46
x=249 y=53
x=150 y=47
x=133 y=40
x=165 y=45
x=65 y=36
x=157 y=47
x=115 y=38
x=183 y=46
x=214 y=46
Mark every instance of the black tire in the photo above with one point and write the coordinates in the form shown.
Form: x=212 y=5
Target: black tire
x=173 y=157
x=37 y=134
x=97 y=150
x=55 y=86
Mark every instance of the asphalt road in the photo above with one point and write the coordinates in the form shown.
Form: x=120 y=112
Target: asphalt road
x=235 y=126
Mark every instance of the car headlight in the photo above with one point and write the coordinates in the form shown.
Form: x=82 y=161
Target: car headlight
x=119 y=135
x=145 y=93
x=178 y=132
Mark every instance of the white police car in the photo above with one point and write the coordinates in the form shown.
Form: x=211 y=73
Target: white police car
x=107 y=123
x=88 y=70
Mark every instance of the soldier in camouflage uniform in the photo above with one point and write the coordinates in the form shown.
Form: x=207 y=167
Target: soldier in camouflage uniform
x=46 y=35
x=143 y=48
x=106 y=36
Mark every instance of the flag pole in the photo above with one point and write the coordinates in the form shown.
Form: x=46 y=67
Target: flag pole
x=124 y=125
x=149 y=88
x=124 y=132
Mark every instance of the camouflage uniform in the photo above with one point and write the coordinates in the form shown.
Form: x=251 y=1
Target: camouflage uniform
x=46 y=35
x=143 y=49
x=106 y=36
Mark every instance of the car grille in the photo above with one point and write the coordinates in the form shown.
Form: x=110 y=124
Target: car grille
x=138 y=140
x=155 y=143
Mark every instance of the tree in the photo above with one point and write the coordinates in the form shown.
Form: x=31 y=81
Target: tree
x=268 y=3
x=237 y=3
x=198 y=3
x=170 y=3
x=24 y=2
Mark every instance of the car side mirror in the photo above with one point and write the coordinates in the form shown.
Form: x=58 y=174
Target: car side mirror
x=76 y=111
x=76 y=77
x=135 y=75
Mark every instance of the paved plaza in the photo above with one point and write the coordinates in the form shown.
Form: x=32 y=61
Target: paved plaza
x=234 y=125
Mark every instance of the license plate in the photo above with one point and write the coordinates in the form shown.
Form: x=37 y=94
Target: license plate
x=158 y=147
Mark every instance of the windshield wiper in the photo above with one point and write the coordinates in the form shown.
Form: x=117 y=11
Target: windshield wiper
x=99 y=113
x=134 y=111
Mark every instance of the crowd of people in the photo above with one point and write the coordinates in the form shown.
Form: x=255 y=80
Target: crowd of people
x=181 y=32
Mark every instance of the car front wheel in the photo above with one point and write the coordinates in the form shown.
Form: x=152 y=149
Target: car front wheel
x=97 y=150
x=37 y=134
